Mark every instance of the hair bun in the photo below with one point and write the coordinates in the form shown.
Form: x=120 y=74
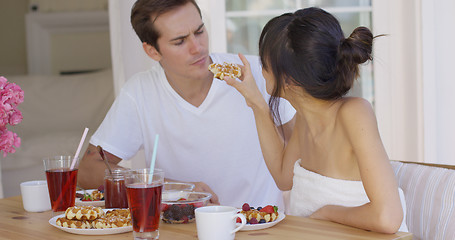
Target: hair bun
x=358 y=46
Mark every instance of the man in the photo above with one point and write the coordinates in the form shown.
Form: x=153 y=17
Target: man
x=207 y=134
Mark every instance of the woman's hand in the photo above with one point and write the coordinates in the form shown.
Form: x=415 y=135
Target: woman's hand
x=247 y=85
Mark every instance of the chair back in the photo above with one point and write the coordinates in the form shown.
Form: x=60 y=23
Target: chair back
x=430 y=199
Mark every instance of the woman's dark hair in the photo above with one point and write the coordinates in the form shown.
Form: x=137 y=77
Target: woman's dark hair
x=145 y=12
x=307 y=48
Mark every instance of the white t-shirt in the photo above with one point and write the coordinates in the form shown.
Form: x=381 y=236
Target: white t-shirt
x=216 y=143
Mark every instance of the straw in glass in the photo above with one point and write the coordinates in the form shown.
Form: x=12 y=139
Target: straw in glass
x=84 y=135
x=152 y=163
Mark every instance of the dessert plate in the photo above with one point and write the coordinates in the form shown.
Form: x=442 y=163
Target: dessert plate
x=105 y=231
x=251 y=227
x=79 y=202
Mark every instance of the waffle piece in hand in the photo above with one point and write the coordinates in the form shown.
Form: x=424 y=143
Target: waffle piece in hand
x=83 y=213
x=226 y=69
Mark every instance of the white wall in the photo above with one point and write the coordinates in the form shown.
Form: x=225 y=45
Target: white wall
x=13 y=60
x=413 y=79
x=396 y=76
x=438 y=36
x=128 y=56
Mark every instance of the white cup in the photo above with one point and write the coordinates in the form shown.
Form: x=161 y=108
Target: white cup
x=35 y=196
x=217 y=222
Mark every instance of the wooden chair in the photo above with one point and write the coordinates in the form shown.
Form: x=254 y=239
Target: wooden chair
x=429 y=190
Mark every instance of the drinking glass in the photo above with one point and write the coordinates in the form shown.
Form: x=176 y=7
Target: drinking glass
x=61 y=181
x=144 y=200
x=115 y=189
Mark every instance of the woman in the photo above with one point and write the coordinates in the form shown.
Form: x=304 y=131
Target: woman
x=334 y=163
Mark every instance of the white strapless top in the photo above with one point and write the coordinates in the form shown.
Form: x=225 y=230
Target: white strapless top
x=311 y=191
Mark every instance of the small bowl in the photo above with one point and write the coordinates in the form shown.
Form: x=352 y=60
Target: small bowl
x=182 y=210
x=174 y=191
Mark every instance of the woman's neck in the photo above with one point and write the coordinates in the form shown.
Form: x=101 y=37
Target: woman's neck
x=316 y=112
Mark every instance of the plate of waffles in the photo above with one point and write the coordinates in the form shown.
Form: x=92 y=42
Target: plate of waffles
x=88 y=226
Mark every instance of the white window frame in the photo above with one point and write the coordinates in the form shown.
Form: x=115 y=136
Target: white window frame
x=399 y=107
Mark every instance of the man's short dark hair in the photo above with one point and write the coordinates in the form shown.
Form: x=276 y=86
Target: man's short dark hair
x=145 y=12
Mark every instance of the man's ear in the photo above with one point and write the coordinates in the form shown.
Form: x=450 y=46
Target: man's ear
x=151 y=51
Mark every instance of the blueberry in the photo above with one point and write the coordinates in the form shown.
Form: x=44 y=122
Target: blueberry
x=259 y=208
x=262 y=221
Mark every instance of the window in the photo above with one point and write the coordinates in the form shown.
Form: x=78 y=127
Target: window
x=394 y=87
x=244 y=20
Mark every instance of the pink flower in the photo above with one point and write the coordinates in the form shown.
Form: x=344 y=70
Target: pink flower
x=8 y=140
x=11 y=95
x=15 y=117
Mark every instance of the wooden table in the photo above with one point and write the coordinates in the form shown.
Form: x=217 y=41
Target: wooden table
x=16 y=223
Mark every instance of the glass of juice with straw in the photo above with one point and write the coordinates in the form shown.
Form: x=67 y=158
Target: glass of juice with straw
x=144 y=189
x=61 y=180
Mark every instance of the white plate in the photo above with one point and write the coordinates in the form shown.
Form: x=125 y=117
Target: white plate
x=251 y=227
x=90 y=231
x=79 y=202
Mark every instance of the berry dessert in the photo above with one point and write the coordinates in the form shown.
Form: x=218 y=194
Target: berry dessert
x=182 y=210
x=179 y=213
x=259 y=215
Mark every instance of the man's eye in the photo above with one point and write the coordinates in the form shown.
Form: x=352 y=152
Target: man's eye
x=200 y=32
x=177 y=43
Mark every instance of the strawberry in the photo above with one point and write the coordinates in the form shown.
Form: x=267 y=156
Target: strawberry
x=101 y=188
x=239 y=220
x=268 y=209
x=246 y=207
x=164 y=207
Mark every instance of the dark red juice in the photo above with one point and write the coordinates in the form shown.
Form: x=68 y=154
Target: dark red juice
x=145 y=206
x=62 y=188
x=115 y=193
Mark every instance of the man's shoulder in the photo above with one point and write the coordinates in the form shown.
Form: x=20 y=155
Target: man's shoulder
x=155 y=72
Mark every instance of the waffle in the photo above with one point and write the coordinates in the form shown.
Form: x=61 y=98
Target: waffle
x=225 y=69
x=84 y=218
x=111 y=221
x=253 y=213
x=97 y=195
x=64 y=222
x=83 y=213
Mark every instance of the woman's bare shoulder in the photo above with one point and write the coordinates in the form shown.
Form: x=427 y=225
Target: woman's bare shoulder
x=356 y=110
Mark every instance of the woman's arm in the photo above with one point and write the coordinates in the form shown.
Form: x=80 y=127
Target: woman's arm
x=271 y=141
x=384 y=212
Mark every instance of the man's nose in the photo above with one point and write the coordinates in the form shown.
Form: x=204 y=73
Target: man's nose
x=195 y=45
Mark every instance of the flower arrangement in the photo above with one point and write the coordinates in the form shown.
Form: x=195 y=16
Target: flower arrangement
x=11 y=95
